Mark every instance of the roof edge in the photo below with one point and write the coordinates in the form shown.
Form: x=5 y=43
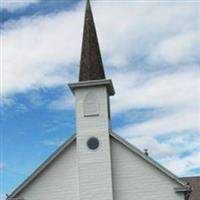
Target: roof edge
x=52 y=157
x=182 y=189
x=41 y=167
x=91 y=83
x=149 y=159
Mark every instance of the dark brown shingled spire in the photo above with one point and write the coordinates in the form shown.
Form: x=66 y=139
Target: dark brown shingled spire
x=91 y=66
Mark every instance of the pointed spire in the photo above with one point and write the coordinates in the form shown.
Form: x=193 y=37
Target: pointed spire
x=91 y=66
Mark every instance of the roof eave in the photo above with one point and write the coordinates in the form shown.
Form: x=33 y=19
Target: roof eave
x=182 y=189
x=149 y=159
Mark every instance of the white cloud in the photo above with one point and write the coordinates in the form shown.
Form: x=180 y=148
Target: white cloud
x=141 y=27
x=2 y=196
x=179 y=153
x=63 y=103
x=2 y=166
x=6 y=102
x=34 y=51
x=142 y=90
x=184 y=120
x=56 y=142
x=182 y=166
x=178 y=49
x=155 y=148
x=12 y=5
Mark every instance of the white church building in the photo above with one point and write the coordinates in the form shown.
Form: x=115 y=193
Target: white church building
x=97 y=164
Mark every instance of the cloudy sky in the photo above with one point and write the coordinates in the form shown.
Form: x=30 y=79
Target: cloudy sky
x=150 y=50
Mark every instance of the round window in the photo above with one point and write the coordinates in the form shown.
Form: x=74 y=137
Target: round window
x=93 y=143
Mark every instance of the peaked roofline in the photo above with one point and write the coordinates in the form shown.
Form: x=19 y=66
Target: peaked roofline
x=147 y=158
x=45 y=164
x=42 y=167
x=91 y=65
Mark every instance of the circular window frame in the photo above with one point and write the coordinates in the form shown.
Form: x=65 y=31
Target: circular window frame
x=93 y=143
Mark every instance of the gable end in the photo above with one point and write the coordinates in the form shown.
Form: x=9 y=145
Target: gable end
x=41 y=168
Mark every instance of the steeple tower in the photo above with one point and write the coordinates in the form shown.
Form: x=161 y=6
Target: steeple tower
x=92 y=94
x=91 y=65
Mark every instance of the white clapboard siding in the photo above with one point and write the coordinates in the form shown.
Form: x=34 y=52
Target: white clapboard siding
x=59 y=181
x=135 y=179
x=92 y=120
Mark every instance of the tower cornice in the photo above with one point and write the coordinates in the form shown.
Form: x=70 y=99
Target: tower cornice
x=83 y=84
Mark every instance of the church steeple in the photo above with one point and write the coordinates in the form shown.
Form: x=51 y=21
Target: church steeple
x=93 y=125
x=91 y=65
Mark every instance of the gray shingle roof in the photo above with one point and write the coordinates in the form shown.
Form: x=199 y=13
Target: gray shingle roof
x=91 y=65
x=195 y=183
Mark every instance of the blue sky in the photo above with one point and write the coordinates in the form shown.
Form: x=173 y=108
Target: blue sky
x=150 y=50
